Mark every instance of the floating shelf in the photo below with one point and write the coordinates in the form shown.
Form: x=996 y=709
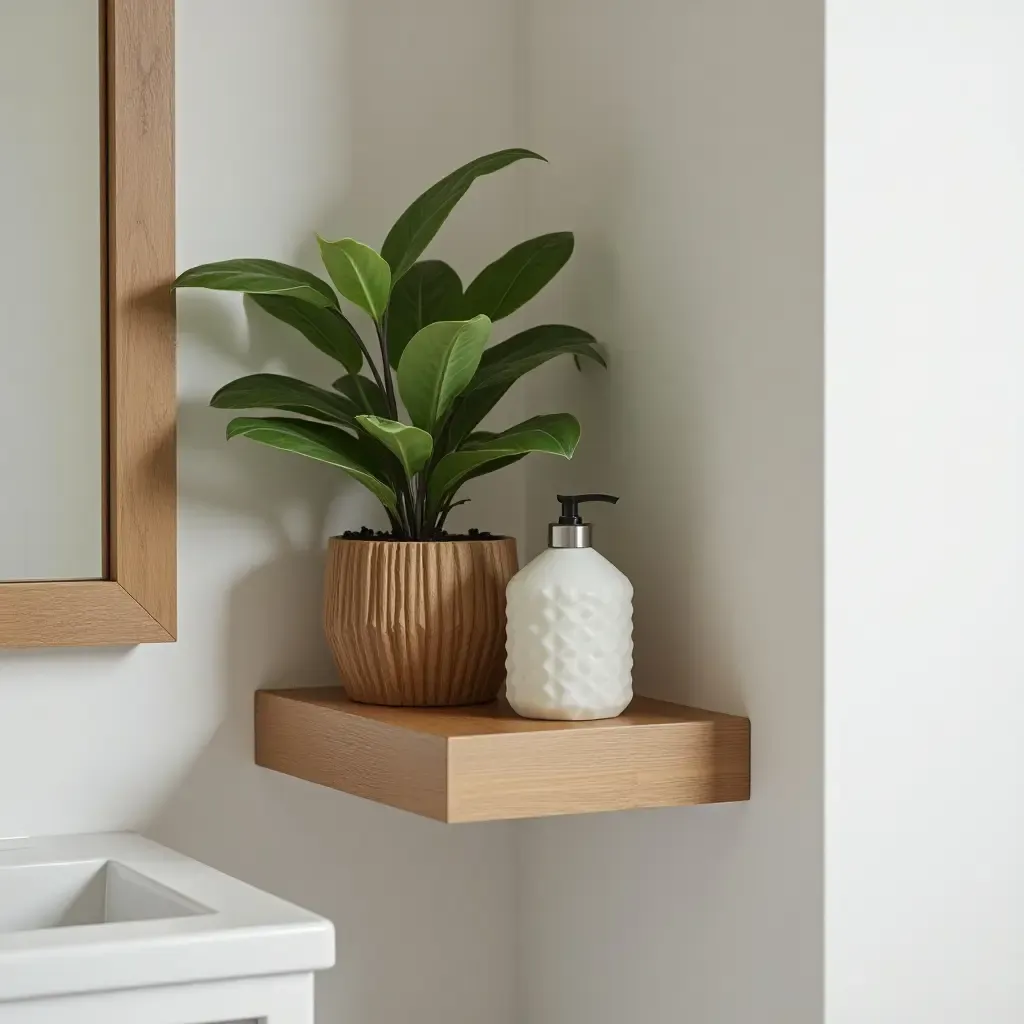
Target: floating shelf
x=484 y=763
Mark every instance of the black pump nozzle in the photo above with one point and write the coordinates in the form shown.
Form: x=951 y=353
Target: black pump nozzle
x=571 y=506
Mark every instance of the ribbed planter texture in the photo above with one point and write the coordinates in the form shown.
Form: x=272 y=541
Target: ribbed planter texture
x=419 y=623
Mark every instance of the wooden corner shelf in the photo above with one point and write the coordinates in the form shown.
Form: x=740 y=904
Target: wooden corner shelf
x=484 y=763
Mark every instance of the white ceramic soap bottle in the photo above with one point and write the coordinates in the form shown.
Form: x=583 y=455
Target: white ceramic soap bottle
x=570 y=627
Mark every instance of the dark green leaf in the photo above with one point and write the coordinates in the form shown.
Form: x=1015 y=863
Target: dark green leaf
x=509 y=360
x=410 y=445
x=315 y=441
x=492 y=466
x=422 y=220
x=363 y=393
x=429 y=292
x=358 y=273
x=260 y=277
x=437 y=365
x=326 y=328
x=557 y=434
x=274 y=391
x=502 y=365
x=510 y=282
x=467 y=412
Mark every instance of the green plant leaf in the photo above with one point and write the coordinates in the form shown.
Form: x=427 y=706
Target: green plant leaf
x=326 y=327
x=410 y=445
x=260 y=277
x=429 y=292
x=492 y=466
x=510 y=282
x=315 y=441
x=509 y=360
x=358 y=273
x=381 y=462
x=364 y=394
x=502 y=365
x=557 y=434
x=274 y=391
x=437 y=365
x=467 y=412
x=422 y=220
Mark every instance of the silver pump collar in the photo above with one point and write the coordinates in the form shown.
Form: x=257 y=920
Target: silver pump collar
x=575 y=535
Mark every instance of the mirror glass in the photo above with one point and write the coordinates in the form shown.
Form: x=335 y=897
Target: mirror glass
x=52 y=490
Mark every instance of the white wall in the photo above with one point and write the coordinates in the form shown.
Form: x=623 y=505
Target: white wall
x=292 y=117
x=925 y=498
x=686 y=141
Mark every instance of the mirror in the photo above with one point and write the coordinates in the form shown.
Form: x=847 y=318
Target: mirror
x=52 y=493
x=88 y=500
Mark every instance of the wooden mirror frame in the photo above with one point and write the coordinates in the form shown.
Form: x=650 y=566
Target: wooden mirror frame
x=136 y=602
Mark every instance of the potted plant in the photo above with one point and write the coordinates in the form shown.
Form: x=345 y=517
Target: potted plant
x=414 y=617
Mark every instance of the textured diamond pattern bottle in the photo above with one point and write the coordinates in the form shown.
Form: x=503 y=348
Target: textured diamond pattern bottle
x=570 y=627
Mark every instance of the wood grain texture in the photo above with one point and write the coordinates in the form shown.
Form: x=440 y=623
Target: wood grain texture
x=418 y=624
x=138 y=602
x=142 y=384
x=376 y=760
x=79 y=613
x=484 y=763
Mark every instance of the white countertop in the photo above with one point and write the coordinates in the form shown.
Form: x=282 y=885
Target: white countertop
x=229 y=929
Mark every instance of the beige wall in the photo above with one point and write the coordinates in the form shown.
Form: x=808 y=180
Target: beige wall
x=292 y=117
x=686 y=141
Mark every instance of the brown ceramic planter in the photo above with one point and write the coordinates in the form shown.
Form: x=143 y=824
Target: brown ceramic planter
x=419 y=623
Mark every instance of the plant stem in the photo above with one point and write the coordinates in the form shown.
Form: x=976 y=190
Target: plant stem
x=373 y=369
x=414 y=524
x=443 y=517
x=389 y=384
x=396 y=523
x=421 y=500
x=405 y=506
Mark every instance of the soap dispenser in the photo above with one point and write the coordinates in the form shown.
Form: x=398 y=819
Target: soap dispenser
x=570 y=627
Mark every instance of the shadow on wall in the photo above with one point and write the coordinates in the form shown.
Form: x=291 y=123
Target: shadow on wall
x=384 y=877
x=643 y=432
x=381 y=109
x=239 y=478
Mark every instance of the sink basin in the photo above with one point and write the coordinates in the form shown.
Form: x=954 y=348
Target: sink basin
x=102 y=913
x=85 y=892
